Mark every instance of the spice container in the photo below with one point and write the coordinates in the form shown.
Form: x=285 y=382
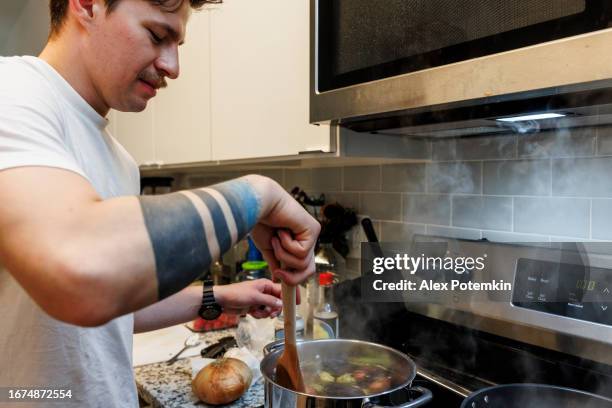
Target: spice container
x=254 y=267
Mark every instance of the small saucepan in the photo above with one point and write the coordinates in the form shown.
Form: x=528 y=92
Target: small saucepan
x=343 y=373
x=534 y=395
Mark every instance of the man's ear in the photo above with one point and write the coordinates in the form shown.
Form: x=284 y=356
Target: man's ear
x=86 y=11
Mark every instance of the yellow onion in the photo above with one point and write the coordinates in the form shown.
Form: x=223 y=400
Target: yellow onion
x=222 y=381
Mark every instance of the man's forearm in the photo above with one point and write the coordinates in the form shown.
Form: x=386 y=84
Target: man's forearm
x=260 y=298
x=100 y=259
x=131 y=252
x=179 y=308
x=190 y=229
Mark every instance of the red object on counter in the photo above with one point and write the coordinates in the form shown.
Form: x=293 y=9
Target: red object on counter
x=326 y=278
x=222 y=322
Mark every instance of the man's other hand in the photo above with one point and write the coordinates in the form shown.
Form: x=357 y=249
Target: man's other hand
x=260 y=298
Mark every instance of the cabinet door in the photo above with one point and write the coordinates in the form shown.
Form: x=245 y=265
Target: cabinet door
x=260 y=80
x=135 y=132
x=181 y=124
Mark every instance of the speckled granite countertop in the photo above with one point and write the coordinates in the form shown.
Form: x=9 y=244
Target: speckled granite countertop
x=165 y=386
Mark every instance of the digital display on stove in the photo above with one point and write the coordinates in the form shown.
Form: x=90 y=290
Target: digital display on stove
x=577 y=291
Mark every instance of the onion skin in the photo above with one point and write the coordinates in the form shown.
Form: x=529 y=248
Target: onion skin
x=222 y=381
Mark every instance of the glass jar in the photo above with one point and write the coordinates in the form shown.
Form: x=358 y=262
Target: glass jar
x=326 y=319
x=279 y=327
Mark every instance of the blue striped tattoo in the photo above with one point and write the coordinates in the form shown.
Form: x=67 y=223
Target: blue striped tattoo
x=181 y=226
x=243 y=201
x=179 y=241
x=221 y=229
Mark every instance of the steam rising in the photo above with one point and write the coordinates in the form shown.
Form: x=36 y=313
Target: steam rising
x=525 y=127
x=556 y=149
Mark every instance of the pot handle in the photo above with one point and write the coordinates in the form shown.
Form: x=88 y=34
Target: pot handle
x=424 y=398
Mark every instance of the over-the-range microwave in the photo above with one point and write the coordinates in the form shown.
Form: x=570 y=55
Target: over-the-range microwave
x=429 y=67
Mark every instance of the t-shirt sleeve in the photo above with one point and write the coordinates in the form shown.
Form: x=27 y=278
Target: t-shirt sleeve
x=31 y=133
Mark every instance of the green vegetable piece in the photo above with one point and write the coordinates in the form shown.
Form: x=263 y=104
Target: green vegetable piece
x=318 y=388
x=346 y=379
x=326 y=377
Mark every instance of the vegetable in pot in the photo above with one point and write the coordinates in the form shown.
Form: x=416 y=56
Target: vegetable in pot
x=345 y=378
x=380 y=384
x=326 y=377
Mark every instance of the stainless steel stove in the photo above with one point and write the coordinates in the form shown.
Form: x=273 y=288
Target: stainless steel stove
x=554 y=328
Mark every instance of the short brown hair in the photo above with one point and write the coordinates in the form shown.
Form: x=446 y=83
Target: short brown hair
x=59 y=9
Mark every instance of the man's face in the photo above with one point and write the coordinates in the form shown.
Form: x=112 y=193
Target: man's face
x=132 y=50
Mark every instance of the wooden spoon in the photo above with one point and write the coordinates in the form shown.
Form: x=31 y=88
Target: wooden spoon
x=288 y=373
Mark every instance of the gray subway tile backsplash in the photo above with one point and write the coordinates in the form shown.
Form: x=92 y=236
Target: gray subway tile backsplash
x=208 y=179
x=517 y=177
x=454 y=178
x=604 y=140
x=482 y=212
x=427 y=209
x=569 y=217
x=362 y=178
x=298 y=178
x=543 y=187
x=399 y=232
x=582 y=177
x=602 y=213
x=381 y=206
x=327 y=179
x=558 y=143
x=203 y=181
x=408 y=178
x=475 y=148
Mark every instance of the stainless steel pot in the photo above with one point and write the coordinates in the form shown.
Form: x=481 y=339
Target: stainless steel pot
x=334 y=349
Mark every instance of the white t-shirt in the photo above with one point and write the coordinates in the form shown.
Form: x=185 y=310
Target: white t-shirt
x=45 y=122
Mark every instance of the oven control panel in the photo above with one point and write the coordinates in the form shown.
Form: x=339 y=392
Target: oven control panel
x=564 y=289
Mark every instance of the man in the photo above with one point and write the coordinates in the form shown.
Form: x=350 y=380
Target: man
x=84 y=261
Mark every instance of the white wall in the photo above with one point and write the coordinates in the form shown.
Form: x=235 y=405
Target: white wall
x=29 y=30
x=10 y=10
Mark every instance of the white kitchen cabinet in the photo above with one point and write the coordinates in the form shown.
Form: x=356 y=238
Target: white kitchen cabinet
x=242 y=92
x=135 y=132
x=181 y=123
x=260 y=80
x=175 y=127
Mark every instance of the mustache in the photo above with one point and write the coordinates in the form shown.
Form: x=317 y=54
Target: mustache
x=158 y=81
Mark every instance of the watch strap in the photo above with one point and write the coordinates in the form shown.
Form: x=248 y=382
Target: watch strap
x=210 y=309
x=208 y=294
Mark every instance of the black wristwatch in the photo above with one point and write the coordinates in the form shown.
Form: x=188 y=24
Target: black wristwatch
x=210 y=309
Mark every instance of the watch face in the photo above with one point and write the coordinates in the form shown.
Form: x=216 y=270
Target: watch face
x=210 y=312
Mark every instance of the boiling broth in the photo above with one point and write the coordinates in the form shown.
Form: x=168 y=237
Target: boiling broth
x=352 y=378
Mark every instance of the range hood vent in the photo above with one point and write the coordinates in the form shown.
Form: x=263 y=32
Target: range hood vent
x=581 y=105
